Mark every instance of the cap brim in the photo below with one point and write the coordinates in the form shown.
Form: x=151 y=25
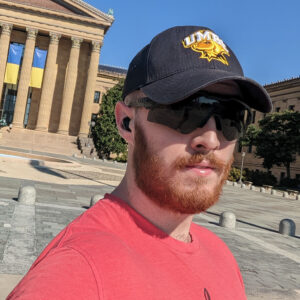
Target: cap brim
x=181 y=85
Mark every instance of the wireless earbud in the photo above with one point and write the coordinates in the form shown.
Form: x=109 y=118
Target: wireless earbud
x=125 y=124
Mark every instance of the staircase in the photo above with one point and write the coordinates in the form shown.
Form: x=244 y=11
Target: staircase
x=33 y=140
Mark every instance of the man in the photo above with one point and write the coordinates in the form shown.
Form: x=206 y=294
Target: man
x=186 y=102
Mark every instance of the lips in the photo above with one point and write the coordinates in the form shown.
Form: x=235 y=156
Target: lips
x=203 y=168
x=204 y=164
x=201 y=164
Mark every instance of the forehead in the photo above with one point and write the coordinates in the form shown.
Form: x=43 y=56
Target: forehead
x=225 y=88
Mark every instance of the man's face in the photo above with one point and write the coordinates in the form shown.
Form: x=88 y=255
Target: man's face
x=180 y=172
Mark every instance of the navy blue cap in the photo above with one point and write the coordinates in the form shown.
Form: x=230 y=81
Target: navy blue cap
x=182 y=60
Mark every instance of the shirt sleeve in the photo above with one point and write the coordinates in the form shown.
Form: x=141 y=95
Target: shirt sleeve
x=63 y=274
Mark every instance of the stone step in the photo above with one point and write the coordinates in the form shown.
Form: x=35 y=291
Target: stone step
x=38 y=141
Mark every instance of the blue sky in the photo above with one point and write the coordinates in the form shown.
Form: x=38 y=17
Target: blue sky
x=265 y=34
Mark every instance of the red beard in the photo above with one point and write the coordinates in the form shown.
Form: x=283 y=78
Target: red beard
x=152 y=177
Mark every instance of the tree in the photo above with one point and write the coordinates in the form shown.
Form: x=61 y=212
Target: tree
x=277 y=139
x=105 y=133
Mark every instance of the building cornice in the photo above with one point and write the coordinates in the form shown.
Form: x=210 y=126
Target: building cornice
x=96 y=11
x=284 y=84
x=110 y=75
x=59 y=29
x=104 y=20
x=112 y=69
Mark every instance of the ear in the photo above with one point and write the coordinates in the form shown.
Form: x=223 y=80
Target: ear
x=122 y=111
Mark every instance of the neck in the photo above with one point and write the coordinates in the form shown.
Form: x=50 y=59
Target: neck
x=174 y=224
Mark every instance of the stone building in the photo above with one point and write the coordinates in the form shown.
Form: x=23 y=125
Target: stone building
x=71 y=31
x=107 y=77
x=285 y=95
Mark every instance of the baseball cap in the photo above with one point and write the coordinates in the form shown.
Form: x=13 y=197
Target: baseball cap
x=182 y=60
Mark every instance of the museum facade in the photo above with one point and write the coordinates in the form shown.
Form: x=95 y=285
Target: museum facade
x=50 y=78
x=285 y=95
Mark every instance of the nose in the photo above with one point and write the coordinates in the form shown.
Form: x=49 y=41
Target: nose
x=206 y=138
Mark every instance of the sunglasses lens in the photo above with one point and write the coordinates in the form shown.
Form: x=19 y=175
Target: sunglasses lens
x=165 y=116
x=195 y=119
x=186 y=117
x=231 y=130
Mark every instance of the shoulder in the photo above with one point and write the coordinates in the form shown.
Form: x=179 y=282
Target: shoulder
x=69 y=266
x=72 y=268
x=96 y=233
x=63 y=274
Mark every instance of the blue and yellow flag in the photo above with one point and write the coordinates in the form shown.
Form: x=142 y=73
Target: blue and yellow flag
x=13 y=63
x=38 y=66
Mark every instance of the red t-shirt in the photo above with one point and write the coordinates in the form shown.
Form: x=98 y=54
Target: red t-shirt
x=112 y=252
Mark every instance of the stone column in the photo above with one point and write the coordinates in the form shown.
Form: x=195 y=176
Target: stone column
x=69 y=88
x=22 y=93
x=48 y=84
x=90 y=89
x=4 y=45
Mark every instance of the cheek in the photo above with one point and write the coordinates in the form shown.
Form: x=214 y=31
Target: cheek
x=167 y=155
x=164 y=139
x=227 y=149
x=170 y=154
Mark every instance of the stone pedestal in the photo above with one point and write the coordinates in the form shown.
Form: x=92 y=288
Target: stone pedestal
x=285 y=194
x=287 y=227
x=95 y=199
x=27 y=195
x=273 y=192
x=227 y=220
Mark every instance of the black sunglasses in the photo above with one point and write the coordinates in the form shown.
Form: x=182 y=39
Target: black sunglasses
x=231 y=115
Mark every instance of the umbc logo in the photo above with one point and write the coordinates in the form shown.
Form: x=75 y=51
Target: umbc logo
x=208 y=44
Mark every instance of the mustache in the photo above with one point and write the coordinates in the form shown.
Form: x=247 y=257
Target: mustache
x=197 y=158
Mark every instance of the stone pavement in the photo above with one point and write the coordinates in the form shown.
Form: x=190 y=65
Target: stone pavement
x=269 y=262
